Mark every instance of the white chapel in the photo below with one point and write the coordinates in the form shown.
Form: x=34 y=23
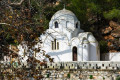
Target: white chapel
x=65 y=41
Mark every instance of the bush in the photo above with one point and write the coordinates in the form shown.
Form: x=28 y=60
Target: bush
x=91 y=76
x=103 y=78
x=103 y=46
x=68 y=75
x=118 y=78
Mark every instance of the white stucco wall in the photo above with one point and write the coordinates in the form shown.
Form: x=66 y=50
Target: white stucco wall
x=114 y=56
x=68 y=36
x=86 y=50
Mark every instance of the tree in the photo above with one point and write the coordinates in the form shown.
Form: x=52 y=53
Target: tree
x=21 y=20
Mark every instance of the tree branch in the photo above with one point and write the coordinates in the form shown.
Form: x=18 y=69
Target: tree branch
x=10 y=9
x=16 y=4
x=4 y=24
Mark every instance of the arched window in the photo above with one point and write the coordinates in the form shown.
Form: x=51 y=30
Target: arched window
x=74 y=51
x=55 y=45
x=56 y=24
x=52 y=45
x=77 y=25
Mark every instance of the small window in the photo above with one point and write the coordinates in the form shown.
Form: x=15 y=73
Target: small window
x=77 y=25
x=56 y=24
x=103 y=65
x=57 y=45
x=52 y=45
x=109 y=65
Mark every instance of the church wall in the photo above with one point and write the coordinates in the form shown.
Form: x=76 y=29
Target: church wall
x=80 y=52
x=93 y=52
x=75 y=43
x=85 y=52
x=65 y=51
x=70 y=24
x=61 y=54
x=115 y=56
x=75 y=33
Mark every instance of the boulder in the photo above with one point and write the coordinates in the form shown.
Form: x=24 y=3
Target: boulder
x=116 y=32
x=107 y=30
x=109 y=37
x=113 y=24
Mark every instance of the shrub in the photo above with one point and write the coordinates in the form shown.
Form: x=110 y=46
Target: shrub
x=91 y=76
x=68 y=75
x=103 y=46
x=118 y=78
x=103 y=78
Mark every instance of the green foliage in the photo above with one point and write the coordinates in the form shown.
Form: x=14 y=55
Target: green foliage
x=118 y=78
x=89 y=12
x=79 y=7
x=103 y=46
x=91 y=76
x=114 y=13
x=68 y=75
x=48 y=75
x=103 y=78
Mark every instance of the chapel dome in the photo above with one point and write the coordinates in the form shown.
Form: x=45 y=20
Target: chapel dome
x=64 y=19
x=63 y=12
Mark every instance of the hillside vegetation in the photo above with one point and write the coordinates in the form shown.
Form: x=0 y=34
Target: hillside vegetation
x=27 y=19
x=102 y=18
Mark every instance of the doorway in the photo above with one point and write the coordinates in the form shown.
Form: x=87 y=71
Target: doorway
x=74 y=52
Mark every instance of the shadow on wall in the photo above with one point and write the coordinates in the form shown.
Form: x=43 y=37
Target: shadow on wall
x=59 y=53
x=115 y=56
x=110 y=56
x=93 y=56
x=104 y=57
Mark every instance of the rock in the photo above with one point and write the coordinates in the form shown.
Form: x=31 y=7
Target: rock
x=60 y=76
x=112 y=36
x=113 y=24
x=107 y=30
x=112 y=51
x=110 y=44
x=116 y=32
x=109 y=37
x=65 y=75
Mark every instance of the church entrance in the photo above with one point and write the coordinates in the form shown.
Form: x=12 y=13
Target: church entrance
x=74 y=52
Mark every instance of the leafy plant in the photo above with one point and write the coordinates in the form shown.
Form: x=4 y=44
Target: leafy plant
x=118 y=78
x=103 y=46
x=91 y=77
x=68 y=75
x=103 y=78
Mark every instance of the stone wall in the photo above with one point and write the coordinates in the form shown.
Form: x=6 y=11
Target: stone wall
x=97 y=70
x=79 y=74
x=104 y=65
